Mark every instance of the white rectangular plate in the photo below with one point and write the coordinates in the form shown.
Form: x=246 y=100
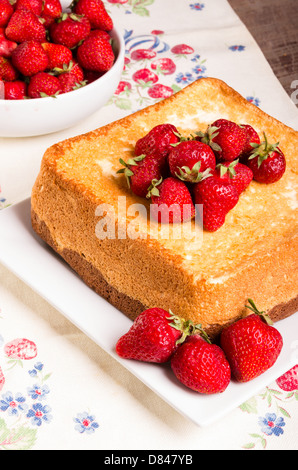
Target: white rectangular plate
x=46 y=273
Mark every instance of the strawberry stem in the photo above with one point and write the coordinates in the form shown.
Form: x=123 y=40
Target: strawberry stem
x=263 y=315
x=187 y=328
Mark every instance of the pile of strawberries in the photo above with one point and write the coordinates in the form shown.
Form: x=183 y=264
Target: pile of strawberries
x=45 y=51
x=208 y=170
x=245 y=350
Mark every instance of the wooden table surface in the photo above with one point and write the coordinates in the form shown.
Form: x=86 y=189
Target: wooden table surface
x=274 y=26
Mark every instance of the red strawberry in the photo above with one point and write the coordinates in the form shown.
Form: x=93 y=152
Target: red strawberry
x=69 y=30
x=33 y=5
x=100 y=34
x=252 y=138
x=158 y=141
x=7 y=70
x=140 y=171
x=217 y=198
x=226 y=139
x=58 y=55
x=21 y=348
x=15 y=90
x=96 y=13
x=6 y=10
x=51 y=10
x=171 y=201
x=6 y=47
x=289 y=381
x=182 y=49
x=154 y=336
x=2 y=379
x=42 y=85
x=95 y=54
x=267 y=162
x=201 y=366
x=251 y=345
x=189 y=159
x=69 y=82
x=30 y=58
x=24 y=25
x=238 y=174
x=142 y=54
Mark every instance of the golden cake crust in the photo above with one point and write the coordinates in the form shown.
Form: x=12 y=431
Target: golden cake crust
x=252 y=255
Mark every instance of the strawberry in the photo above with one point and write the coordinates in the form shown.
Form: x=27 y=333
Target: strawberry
x=217 y=197
x=6 y=47
x=24 y=25
x=158 y=141
x=226 y=139
x=154 y=336
x=252 y=138
x=95 y=54
x=30 y=58
x=140 y=171
x=15 y=90
x=42 y=85
x=96 y=13
x=188 y=160
x=289 y=381
x=7 y=70
x=251 y=344
x=21 y=348
x=69 y=30
x=51 y=10
x=69 y=82
x=2 y=379
x=58 y=55
x=2 y=90
x=6 y=10
x=100 y=34
x=201 y=366
x=238 y=174
x=267 y=162
x=171 y=201
x=33 y=5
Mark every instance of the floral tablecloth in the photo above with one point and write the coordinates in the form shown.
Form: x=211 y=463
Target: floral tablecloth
x=59 y=390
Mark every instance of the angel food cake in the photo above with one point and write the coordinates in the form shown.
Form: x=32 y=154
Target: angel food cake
x=83 y=207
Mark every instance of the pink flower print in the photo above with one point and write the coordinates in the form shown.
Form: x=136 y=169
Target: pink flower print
x=145 y=76
x=142 y=54
x=182 y=49
x=289 y=381
x=159 y=91
x=165 y=65
x=2 y=379
x=21 y=348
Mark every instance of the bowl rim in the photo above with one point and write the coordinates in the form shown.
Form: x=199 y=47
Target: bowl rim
x=117 y=36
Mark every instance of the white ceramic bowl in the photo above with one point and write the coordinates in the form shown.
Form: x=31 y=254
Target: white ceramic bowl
x=24 y=118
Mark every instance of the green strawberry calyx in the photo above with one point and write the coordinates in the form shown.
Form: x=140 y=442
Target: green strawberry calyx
x=252 y=306
x=131 y=162
x=193 y=175
x=187 y=328
x=153 y=188
x=263 y=150
x=223 y=169
x=208 y=136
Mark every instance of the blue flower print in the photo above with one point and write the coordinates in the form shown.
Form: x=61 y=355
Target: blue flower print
x=254 y=100
x=199 y=70
x=39 y=414
x=271 y=425
x=184 y=78
x=237 y=48
x=37 y=368
x=38 y=392
x=197 y=6
x=13 y=404
x=85 y=423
